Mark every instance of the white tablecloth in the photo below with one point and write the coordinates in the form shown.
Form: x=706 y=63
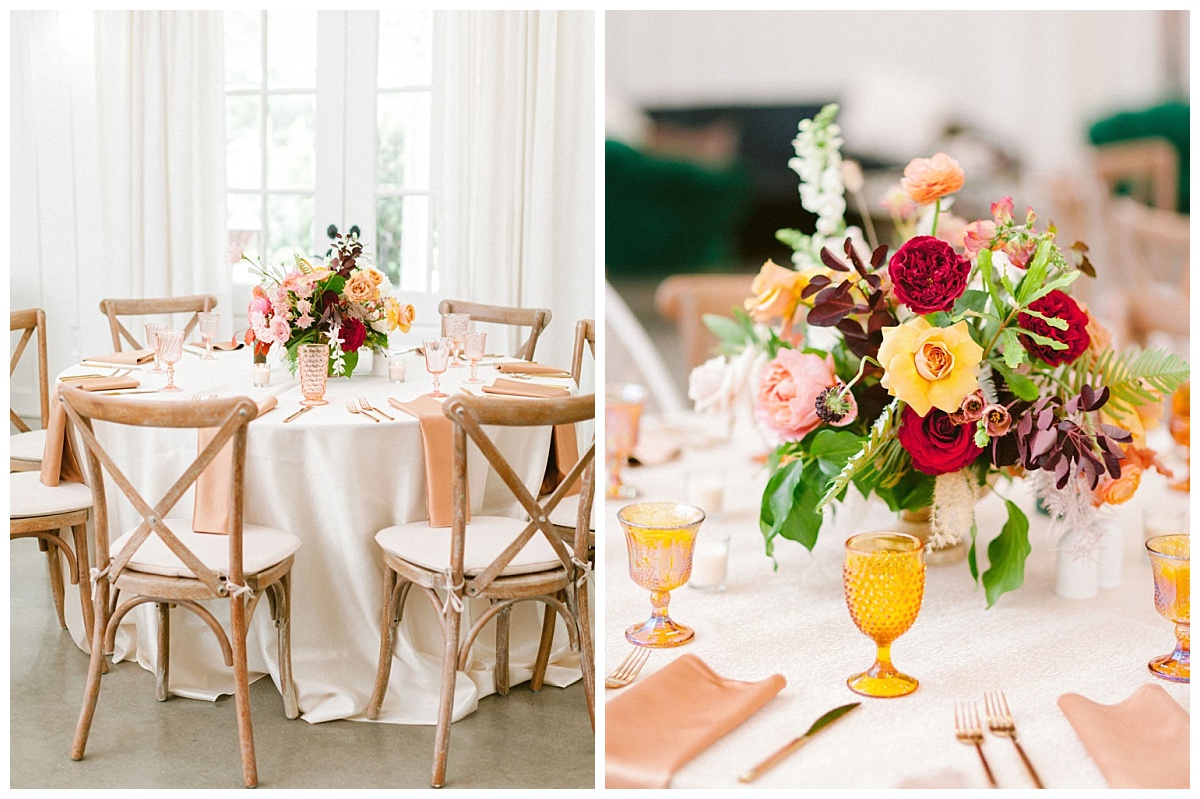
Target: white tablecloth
x=1032 y=644
x=334 y=479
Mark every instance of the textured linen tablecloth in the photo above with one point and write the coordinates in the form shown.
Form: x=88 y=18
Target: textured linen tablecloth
x=1033 y=645
x=334 y=479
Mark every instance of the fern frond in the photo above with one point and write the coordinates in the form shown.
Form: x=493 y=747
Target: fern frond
x=1134 y=377
x=883 y=433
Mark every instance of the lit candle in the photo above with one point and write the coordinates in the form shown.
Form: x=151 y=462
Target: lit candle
x=262 y=374
x=396 y=370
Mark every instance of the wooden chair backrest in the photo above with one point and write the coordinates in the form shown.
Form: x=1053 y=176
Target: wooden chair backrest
x=470 y=414
x=685 y=299
x=229 y=416
x=1157 y=248
x=30 y=321
x=585 y=333
x=1147 y=168
x=146 y=307
x=535 y=319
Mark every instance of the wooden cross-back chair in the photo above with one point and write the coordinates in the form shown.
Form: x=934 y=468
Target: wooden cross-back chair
x=503 y=560
x=165 y=562
x=148 y=307
x=685 y=299
x=25 y=448
x=585 y=333
x=535 y=319
x=1157 y=248
x=1147 y=170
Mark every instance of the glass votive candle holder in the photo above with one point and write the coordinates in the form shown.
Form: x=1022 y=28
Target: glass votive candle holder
x=706 y=490
x=262 y=374
x=710 y=562
x=396 y=369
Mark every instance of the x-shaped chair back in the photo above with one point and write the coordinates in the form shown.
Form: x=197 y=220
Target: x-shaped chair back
x=470 y=414
x=159 y=305
x=585 y=333
x=535 y=319
x=230 y=416
x=30 y=320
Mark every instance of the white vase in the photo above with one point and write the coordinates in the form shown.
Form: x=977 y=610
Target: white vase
x=379 y=364
x=1078 y=573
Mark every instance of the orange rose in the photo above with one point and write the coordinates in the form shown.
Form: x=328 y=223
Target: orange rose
x=928 y=179
x=1122 y=489
x=360 y=287
x=776 y=293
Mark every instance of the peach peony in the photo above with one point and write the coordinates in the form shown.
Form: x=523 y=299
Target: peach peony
x=929 y=367
x=776 y=293
x=788 y=391
x=928 y=179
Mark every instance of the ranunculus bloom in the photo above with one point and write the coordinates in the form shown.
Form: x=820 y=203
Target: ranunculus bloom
x=928 y=179
x=360 y=287
x=1116 y=491
x=898 y=203
x=353 y=334
x=776 y=292
x=929 y=367
x=928 y=275
x=1057 y=305
x=936 y=444
x=788 y=390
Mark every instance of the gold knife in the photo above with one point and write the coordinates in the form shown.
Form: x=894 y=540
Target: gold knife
x=305 y=409
x=790 y=748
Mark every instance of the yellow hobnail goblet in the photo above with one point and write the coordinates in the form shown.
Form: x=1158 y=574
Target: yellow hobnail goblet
x=884 y=578
x=1170 y=558
x=661 y=538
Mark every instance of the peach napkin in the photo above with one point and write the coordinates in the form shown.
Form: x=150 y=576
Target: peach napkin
x=1143 y=742
x=210 y=512
x=130 y=358
x=219 y=346
x=58 y=457
x=437 y=438
x=564 y=451
x=656 y=726
x=531 y=368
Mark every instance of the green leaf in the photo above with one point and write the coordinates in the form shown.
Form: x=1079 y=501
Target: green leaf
x=835 y=445
x=981 y=434
x=913 y=491
x=1045 y=341
x=1018 y=383
x=1014 y=353
x=867 y=459
x=938 y=319
x=971 y=300
x=789 y=505
x=729 y=332
x=1053 y=321
x=1035 y=273
x=971 y=561
x=1006 y=556
x=1060 y=282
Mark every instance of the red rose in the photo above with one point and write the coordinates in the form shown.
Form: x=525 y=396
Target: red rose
x=1056 y=305
x=928 y=275
x=937 y=445
x=353 y=334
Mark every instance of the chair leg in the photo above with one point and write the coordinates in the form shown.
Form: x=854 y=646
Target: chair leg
x=441 y=745
x=56 y=581
x=387 y=643
x=241 y=681
x=587 y=655
x=500 y=675
x=162 y=670
x=283 y=623
x=91 y=692
x=79 y=532
x=543 y=655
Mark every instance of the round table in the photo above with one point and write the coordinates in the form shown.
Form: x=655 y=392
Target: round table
x=334 y=479
x=793 y=621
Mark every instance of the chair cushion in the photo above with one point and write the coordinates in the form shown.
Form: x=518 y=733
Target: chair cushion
x=27 y=446
x=262 y=548
x=487 y=536
x=28 y=497
x=567 y=509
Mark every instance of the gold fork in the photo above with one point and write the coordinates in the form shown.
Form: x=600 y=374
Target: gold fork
x=367 y=406
x=1000 y=722
x=627 y=672
x=353 y=408
x=968 y=730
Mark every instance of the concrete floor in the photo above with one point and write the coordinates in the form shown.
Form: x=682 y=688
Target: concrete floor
x=523 y=740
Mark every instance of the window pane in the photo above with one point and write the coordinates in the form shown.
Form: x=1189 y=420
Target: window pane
x=405 y=48
x=290 y=162
x=289 y=228
x=403 y=146
x=243 y=49
x=291 y=49
x=402 y=241
x=243 y=148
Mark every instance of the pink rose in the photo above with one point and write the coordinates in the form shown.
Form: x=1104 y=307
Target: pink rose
x=260 y=305
x=280 y=330
x=788 y=391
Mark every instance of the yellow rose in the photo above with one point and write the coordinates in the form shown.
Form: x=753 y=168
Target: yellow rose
x=399 y=315
x=776 y=292
x=929 y=367
x=360 y=287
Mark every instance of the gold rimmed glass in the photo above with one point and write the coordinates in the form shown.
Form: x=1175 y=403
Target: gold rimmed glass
x=313 y=360
x=622 y=417
x=1170 y=559
x=884 y=579
x=660 y=538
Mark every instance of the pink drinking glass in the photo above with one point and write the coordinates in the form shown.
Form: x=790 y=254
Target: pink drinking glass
x=437 y=358
x=456 y=330
x=476 y=343
x=313 y=360
x=208 y=329
x=170 y=344
x=152 y=331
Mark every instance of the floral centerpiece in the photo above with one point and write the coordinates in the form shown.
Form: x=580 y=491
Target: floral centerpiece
x=346 y=304
x=958 y=361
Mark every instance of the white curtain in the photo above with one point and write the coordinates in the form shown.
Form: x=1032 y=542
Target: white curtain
x=514 y=172
x=118 y=167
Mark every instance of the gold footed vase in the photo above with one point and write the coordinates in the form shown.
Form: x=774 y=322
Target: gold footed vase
x=916 y=523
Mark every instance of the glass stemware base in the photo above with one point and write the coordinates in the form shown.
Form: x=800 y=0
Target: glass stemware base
x=659 y=632
x=882 y=681
x=1176 y=666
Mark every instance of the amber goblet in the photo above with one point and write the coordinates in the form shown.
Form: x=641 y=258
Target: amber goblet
x=660 y=538
x=1170 y=559
x=884 y=579
x=622 y=418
